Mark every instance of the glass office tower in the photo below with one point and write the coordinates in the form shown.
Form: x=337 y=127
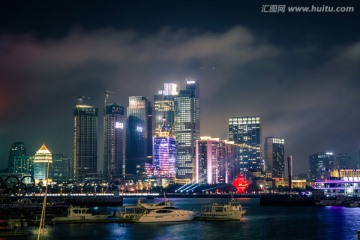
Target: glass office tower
x=247 y=131
x=114 y=133
x=164 y=108
x=138 y=135
x=85 y=140
x=187 y=130
x=275 y=156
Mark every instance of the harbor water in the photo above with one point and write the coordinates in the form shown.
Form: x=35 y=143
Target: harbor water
x=260 y=222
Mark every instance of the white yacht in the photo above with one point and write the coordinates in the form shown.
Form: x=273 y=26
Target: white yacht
x=222 y=211
x=80 y=214
x=166 y=214
x=160 y=212
x=165 y=203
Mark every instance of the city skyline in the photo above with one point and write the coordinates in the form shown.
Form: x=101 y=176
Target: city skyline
x=300 y=78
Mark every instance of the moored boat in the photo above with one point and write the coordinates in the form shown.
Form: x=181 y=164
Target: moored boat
x=166 y=214
x=160 y=212
x=222 y=211
x=160 y=205
x=80 y=214
x=13 y=228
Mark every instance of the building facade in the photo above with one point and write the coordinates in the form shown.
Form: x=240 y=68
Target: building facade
x=164 y=154
x=62 y=168
x=138 y=135
x=275 y=156
x=24 y=164
x=85 y=140
x=321 y=164
x=247 y=132
x=43 y=165
x=164 y=108
x=343 y=161
x=213 y=161
x=17 y=149
x=114 y=144
x=187 y=130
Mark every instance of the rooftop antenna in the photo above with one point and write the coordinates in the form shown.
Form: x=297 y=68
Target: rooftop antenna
x=80 y=98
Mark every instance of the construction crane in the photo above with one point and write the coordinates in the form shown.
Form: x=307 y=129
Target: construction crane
x=107 y=93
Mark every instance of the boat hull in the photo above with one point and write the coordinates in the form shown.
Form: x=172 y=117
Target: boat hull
x=176 y=216
x=222 y=216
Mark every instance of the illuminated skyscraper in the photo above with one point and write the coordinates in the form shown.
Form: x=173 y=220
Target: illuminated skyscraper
x=43 y=165
x=213 y=160
x=85 y=140
x=187 y=129
x=343 y=161
x=114 y=133
x=24 y=164
x=164 y=108
x=61 y=167
x=164 y=153
x=247 y=131
x=321 y=165
x=138 y=135
x=275 y=156
x=16 y=150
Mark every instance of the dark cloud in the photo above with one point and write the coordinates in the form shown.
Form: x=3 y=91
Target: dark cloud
x=309 y=101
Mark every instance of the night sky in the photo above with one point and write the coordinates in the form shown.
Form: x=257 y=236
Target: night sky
x=298 y=71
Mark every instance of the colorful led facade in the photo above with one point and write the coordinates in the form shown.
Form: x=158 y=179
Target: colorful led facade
x=216 y=161
x=138 y=135
x=164 y=154
x=43 y=165
x=342 y=182
x=247 y=131
x=114 y=134
x=85 y=140
x=275 y=156
x=187 y=130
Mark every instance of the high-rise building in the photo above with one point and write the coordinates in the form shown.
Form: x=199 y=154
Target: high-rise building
x=187 y=130
x=43 y=165
x=321 y=164
x=343 y=161
x=164 y=108
x=24 y=164
x=247 y=131
x=164 y=152
x=275 y=156
x=61 y=167
x=85 y=140
x=138 y=135
x=17 y=149
x=214 y=160
x=114 y=133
